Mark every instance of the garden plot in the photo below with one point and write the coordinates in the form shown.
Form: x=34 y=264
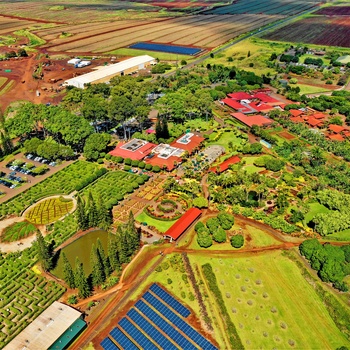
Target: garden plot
x=49 y=210
x=17 y=231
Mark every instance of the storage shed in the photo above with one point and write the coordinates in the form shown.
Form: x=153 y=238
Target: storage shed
x=105 y=74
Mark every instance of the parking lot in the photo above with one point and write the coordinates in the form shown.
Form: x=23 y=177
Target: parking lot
x=15 y=179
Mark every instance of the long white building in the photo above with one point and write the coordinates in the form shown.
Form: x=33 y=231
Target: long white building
x=105 y=74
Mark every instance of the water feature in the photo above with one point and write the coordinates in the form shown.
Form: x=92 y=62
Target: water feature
x=81 y=248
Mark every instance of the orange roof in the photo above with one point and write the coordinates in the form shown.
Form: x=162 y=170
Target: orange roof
x=295 y=112
x=318 y=116
x=336 y=137
x=252 y=120
x=336 y=128
x=224 y=165
x=183 y=223
x=169 y=163
x=314 y=122
x=297 y=120
x=193 y=143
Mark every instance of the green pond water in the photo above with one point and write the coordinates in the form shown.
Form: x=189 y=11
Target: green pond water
x=81 y=248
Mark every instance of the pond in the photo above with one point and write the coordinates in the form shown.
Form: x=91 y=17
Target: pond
x=81 y=248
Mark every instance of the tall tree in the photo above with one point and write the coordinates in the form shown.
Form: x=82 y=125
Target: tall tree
x=43 y=251
x=98 y=274
x=82 y=219
x=113 y=253
x=104 y=258
x=104 y=217
x=81 y=280
x=92 y=211
x=68 y=274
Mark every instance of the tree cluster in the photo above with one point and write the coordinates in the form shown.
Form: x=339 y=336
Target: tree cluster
x=331 y=262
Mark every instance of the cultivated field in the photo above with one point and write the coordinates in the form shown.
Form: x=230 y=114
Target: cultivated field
x=200 y=31
x=319 y=30
x=9 y=25
x=268 y=7
x=334 y=11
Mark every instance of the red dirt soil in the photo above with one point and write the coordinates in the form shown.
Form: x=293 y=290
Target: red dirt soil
x=334 y=11
x=179 y=4
x=286 y=135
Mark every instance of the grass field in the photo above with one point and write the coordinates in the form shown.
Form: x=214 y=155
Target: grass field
x=250 y=167
x=315 y=208
x=271 y=304
x=163 y=56
x=162 y=226
x=309 y=89
x=224 y=139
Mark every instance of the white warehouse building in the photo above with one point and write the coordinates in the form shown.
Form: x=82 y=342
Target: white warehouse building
x=105 y=74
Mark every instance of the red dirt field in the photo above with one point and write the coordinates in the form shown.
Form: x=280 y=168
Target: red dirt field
x=319 y=30
x=180 y=4
x=334 y=11
x=286 y=135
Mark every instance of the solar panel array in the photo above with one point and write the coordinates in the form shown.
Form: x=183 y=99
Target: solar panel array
x=156 y=322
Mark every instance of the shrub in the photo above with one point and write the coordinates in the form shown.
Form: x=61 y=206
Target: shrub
x=127 y=161
x=219 y=235
x=237 y=241
x=142 y=165
x=127 y=167
x=135 y=162
x=148 y=167
x=156 y=169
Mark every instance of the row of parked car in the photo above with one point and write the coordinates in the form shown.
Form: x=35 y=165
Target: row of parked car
x=40 y=159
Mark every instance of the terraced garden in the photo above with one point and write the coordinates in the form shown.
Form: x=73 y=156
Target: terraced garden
x=73 y=177
x=49 y=210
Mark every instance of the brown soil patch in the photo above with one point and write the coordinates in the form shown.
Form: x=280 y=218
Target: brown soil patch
x=286 y=135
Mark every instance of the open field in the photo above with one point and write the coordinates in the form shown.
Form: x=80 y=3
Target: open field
x=262 y=294
x=200 y=31
x=334 y=11
x=270 y=7
x=310 y=89
x=160 y=225
x=320 y=30
x=8 y=25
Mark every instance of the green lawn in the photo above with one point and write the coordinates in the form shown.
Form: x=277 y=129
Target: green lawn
x=224 y=139
x=315 y=208
x=250 y=167
x=162 y=226
x=310 y=89
x=201 y=124
x=340 y=236
x=271 y=304
x=163 y=56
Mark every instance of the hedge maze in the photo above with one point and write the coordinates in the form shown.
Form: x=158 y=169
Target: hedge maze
x=23 y=293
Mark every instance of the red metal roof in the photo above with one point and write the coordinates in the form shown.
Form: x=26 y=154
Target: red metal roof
x=169 y=163
x=295 y=112
x=183 y=223
x=314 y=122
x=233 y=103
x=336 y=137
x=240 y=96
x=265 y=98
x=224 y=165
x=139 y=154
x=318 y=115
x=297 y=119
x=260 y=107
x=195 y=141
x=336 y=128
x=252 y=120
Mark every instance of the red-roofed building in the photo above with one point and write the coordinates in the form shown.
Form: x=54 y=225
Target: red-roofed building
x=252 y=120
x=267 y=99
x=297 y=119
x=188 y=142
x=169 y=163
x=337 y=129
x=335 y=137
x=237 y=106
x=239 y=96
x=224 y=165
x=135 y=149
x=295 y=112
x=182 y=224
x=314 y=122
x=260 y=107
x=318 y=115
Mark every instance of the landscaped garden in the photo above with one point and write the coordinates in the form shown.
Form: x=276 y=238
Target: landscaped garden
x=49 y=210
x=18 y=231
x=74 y=177
x=114 y=186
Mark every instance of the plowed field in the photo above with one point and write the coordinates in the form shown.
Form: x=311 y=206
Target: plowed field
x=320 y=30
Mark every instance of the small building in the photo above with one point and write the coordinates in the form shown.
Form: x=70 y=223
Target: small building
x=336 y=129
x=181 y=225
x=188 y=142
x=134 y=149
x=74 y=61
x=295 y=112
x=252 y=120
x=105 y=74
x=54 y=328
x=335 y=137
x=225 y=165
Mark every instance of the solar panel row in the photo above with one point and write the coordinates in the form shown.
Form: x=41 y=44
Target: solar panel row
x=183 y=50
x=163 y=325
x=134 y=333
x=107 y=344
x=122 y=339
x=170 y=300
x=178 y=322
x=150 y=330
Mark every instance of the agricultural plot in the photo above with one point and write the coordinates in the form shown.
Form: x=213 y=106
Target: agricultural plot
x=75 y=176
x=269 y=7
x=121 y=212
x=49 y=210
x=199 y=31
x=334 y=11
x=9 y=25
x=319 y=30
x=182 y=50
x=24 y=294
x=262 y=297
x=17 y=231
x=114 y=186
